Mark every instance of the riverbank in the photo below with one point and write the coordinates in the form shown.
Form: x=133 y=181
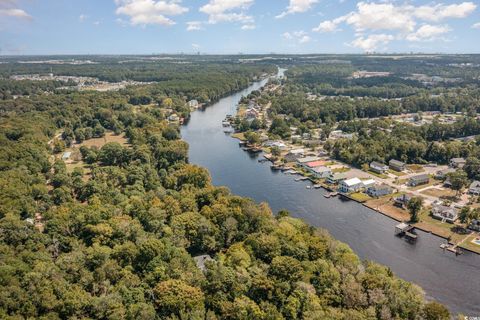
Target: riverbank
x=445 y=277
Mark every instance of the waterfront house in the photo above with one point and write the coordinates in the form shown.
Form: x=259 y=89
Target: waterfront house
x=378 y=167
x=314 y=164
x=174 y=118
x=303 y=161
x=251 y=114
x=397 y=165
x=442 y=174
x=401 y=201
x=444 y=213
x=66 y=155
x=350 y=185
x=193 y=104
x=474 y=188
x=321 y=172
x=278 y=144
x=379 y=190
x=419 y=180
x=294 y=154
x=474 y=225
x=335 y=178
x=457 y=162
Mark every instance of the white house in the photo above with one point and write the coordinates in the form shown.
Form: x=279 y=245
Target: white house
x=193 y=103
x=350 y=185
x=368 y=183
x=445 y=213
x=321 y=172
x=474 y=188
x=457 y=162
x=66 y=155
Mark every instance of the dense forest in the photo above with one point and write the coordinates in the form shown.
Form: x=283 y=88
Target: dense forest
x=116 y=238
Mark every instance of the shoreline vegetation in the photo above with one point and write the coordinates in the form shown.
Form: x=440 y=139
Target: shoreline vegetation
x=103 y=216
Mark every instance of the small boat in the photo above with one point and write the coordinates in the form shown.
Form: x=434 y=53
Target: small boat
x=309 y=187
x=317 y=186
x=225 y=123
x=327 y=195
x=334 y=194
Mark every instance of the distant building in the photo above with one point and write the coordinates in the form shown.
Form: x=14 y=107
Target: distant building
x=339 y=134
x=277 y=144
x=457 y=162
x=193 y=104
x=303 y=161
x=66 y=155
x=474 y=188
x=321 y=172
x=379 y=190
x=442 y=174
x=201 y=260
x=445 y=213
x=314 y=164
x=419 y=180
x=378 y=167
x=173 y=118
x=368 y=183
x=397 y=165
x=350 y=185
x=474 y=225
x=294 y=154
x=335 y=178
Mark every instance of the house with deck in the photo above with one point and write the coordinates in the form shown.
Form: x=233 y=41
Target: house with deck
x=444 y=213
x=378 y=167
x=457 y=162
x=397 y=165
x=419 y=180
x=379 y=190
x=321 y=172
x=335 y=178
x=474 y=188
x=350 y=185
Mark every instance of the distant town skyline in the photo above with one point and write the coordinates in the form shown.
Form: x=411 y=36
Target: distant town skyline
x=30 y=27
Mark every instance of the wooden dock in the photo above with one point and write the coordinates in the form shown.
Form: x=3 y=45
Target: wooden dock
x=406 y=230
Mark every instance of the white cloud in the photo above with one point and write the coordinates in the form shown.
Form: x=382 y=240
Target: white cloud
x=144 y=12
x=428 y=32
x=440 y=11
x=228 y=11
x=297 y=6
x=372 y=42
x=298 y=36
x=96 y=23
x=248 y=26
x=476 y=25
x=369 y=18
x=194 y=25
x=15 y=13
x=82 y=17
x=195 y=46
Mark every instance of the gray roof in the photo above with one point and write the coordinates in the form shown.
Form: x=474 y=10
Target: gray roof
x=377 y=164
x=475 y=184
x=458 y=160
x=394 y=162
x=200 y=261
x=420 y=177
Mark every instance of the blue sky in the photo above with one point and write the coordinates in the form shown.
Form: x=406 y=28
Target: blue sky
x=233 y=26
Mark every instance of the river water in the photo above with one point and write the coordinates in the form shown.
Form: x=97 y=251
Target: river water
x=449 y=279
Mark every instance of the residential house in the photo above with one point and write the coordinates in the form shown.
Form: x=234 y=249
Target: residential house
x=402 y=200
x=193 y=104
x=378 y=167
x=339 y=134
x=457 y=162
x=474 y=188
x=251 y=114
x=379 y=190
x=442 y=174
x=397 y=165
x=368 y=183
x=294 y=154
x=418 y=180
x=173 y=118
x=314 y=164
x=278 y=144
x=66 y=155
x=445 y=213
x=335 y=178
x=350 y=185
x=321 y=172
x=303 y=161
x=474 y=225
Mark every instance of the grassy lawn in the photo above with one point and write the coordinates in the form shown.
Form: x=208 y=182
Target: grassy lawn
x=444 y=229
x=360 y=196
x=396 y=173
x=382 y=176
x=439 y=193
x=415 y=167
x=468 y=244
x=239 y=136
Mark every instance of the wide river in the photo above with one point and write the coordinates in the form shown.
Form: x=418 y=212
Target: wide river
x=451 y=280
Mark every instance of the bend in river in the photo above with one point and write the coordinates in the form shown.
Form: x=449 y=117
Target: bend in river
x=452 y=280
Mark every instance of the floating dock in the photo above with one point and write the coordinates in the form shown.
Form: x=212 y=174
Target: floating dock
x=407 y=231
